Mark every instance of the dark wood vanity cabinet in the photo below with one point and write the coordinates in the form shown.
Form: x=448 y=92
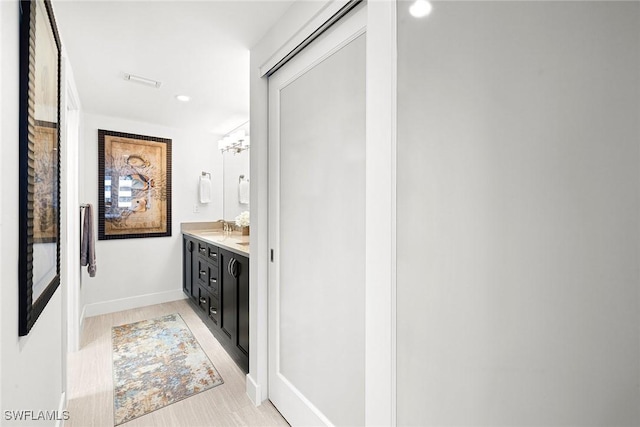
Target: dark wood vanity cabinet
x=216 y=281
x=234 y=321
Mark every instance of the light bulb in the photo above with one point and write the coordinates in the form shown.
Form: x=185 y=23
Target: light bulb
x=420 y=8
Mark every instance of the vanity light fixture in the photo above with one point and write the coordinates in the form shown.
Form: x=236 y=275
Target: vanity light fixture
x=420 y=8
x=235 y=141
x=143 y=80
x=183 y=98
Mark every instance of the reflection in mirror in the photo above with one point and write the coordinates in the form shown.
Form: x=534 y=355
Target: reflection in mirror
x=235 y=155
x=236 y=184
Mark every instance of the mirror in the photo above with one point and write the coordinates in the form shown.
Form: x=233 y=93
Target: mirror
x=39 y=244
x=236 y=184
x=236 y=177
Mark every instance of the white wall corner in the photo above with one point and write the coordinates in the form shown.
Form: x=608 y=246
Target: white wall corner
x=253 y=391
x=113 y=306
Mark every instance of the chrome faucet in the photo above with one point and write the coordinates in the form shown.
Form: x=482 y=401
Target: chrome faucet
x=227 y=227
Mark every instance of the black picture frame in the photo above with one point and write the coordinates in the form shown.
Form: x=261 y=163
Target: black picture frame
x=39 y=168
x=134 y=186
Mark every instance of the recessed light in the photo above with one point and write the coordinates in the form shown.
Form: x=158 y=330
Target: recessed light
x=420 y=8
x=183 y=98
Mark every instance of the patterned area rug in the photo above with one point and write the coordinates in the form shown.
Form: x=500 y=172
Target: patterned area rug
x=156 y=363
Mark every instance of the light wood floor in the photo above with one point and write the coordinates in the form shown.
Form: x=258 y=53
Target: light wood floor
x=90 y=385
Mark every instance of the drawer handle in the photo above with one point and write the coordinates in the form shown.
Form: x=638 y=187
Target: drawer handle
x=212 y=280
x=203 y=250
x=203 y=300
x=214 y=254
x=203 y=272
x=213 y=311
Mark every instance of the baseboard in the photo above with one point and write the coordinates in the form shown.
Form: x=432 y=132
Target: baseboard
x=121 y=304
x=253 y=391
x=61 y=414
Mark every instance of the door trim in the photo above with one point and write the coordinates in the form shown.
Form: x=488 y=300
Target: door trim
x=70 y=269
x=314 y=35
x=307 y=18
x=380 y=263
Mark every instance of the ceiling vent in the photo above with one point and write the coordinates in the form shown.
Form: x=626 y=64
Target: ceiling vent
x=142 y=80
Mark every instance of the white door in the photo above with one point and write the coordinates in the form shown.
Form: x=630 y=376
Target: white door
x=317 y=229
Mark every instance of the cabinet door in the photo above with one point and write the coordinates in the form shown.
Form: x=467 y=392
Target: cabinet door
x=243 y=304
x=228 y=296
x=187 y=265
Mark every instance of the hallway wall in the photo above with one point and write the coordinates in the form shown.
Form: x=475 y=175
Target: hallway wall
x=137 y=272
x=31 y=365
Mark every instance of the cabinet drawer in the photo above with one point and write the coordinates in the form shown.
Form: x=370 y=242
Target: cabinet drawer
x=209 y=305
x=203 y=271
x=208 y=276
x=202 y=249
x=214 y=310
x=212 y=254
x=202 y=299
x=212 y=279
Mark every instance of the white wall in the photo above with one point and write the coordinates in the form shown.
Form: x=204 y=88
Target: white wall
x=137 y=272
x=32 y=365
x=518 y=214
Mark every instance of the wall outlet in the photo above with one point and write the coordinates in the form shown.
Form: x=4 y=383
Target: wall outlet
x=196 y=208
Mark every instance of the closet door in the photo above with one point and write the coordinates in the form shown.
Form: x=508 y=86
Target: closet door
x=317 y=229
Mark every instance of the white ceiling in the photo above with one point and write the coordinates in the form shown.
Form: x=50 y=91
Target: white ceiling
x=199 y=49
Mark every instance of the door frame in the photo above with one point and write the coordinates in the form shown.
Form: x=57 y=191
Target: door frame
x=300 y=21
x=70 y=269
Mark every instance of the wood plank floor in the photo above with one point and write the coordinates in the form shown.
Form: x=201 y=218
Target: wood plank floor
x=90 y=384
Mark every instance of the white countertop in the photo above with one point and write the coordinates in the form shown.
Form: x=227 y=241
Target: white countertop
x=211 y=232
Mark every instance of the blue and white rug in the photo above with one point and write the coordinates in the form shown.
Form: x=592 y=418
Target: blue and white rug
x=156 y=363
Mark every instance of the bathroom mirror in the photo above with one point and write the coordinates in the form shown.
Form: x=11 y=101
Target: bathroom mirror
x=236 y=192
x=39 y=176
x=236 y=178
